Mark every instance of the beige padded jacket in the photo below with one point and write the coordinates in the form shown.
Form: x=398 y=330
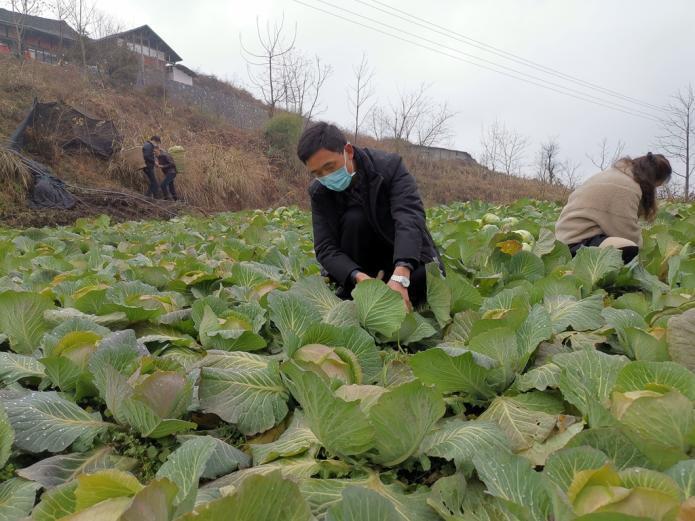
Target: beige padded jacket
x=607 y=203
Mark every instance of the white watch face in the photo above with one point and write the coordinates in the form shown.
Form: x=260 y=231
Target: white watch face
x=403 y=281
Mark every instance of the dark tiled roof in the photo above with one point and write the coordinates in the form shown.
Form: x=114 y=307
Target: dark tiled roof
x=40 y=24
x=148 y=34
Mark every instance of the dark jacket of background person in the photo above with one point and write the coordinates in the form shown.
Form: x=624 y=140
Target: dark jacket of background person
x=168 y=166
x=148 y=153
x=392 y=204
x=148 y=156
x=166 y=163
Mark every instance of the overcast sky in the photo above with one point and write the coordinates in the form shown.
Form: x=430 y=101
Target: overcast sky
x=640 y=48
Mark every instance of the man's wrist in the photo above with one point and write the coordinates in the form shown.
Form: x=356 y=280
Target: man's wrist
x=404 y=263
x=403 y=271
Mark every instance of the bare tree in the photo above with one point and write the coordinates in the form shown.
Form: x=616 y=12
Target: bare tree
x=59 y=10
x=360 y=94
x=503 y=149
x=81 y=15
x=405 y=114
x=21 y=10
x=490 y=156
x=569 y=173
x=378 y=123
x=513 y=152
x=678 y=134
x=302 y=80
x=416 y=117
x=548 y=162
x=116 y=63
x=604 y=156
x=265 y=65
x=105 y=25
x=433 y=125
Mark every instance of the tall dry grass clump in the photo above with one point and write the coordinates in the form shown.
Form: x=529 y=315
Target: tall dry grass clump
x=222 y=177
x=15 y=178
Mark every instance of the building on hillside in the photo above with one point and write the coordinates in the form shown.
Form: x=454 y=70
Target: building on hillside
x=44 y=39
x=180 y=74
x=443 y=154
x=157 y=58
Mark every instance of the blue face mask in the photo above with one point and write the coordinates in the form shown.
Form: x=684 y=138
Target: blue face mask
x=339 y=180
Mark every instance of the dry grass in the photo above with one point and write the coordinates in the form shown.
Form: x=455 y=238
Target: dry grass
x=226 y=168
x=15 y=178
x=446 y=182
x=225 y=177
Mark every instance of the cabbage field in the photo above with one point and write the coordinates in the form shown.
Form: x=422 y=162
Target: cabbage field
x=202 y=369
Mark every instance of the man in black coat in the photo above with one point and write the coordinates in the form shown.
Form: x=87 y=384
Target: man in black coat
x=368 y=217
x=150 y=161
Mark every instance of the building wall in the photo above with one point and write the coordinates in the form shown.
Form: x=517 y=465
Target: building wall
x=41 y=42
x=146 y=51
x=233 y=109
x=443 y=154
x=179 y=76
x=37 y=46
x=153 y=62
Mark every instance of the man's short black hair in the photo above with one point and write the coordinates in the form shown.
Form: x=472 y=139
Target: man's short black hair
x=318 y=136
x=156 y=139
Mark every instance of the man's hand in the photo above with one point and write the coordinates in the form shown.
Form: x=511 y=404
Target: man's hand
x=361 y=277
x=398 y=288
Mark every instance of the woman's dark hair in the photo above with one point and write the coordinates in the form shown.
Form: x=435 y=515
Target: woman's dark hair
x=318 y=136
x=649 y=172
x=156 y=139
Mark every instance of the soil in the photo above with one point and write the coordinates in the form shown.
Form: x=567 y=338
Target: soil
x=127 y=207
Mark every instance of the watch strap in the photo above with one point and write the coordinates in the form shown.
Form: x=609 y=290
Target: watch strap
x=401 y=279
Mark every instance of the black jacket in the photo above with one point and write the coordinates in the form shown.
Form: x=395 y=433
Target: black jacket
x=166 y=163
x=392 y=204
x=148 y=153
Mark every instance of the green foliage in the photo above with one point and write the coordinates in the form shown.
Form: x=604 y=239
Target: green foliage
x=202 y=369
x=148 y=454
x=282 y=134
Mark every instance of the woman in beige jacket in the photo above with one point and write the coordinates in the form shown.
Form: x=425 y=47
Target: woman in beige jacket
x=605 y=210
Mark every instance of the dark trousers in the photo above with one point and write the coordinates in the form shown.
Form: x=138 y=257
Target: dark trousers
x=168 y=188
x=153 y=188
x=373 y=254
x=628 y=252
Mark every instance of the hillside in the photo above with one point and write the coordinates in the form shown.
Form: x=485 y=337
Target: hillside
x=227 y=168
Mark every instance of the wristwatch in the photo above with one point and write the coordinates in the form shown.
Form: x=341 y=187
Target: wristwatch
x=402 y=280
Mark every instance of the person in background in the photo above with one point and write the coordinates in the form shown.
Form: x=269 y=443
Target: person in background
x=367 y=215
x=168 y=166
x=605 y=210
x=150 y=160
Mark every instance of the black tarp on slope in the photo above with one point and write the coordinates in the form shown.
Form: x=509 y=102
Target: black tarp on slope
x=48 y=191
x=68 y=128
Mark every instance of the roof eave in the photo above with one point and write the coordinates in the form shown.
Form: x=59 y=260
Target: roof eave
x=175 y=58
